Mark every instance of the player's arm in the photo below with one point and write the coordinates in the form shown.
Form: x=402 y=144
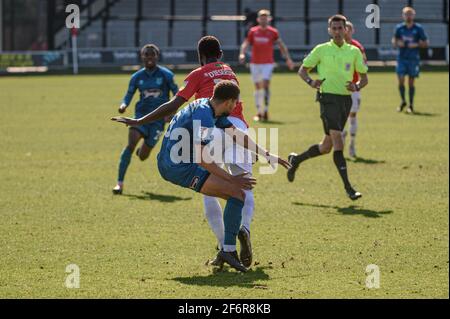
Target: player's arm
x=303 y=72
x=129 y=95
x=207 y=163
x=285 y=53
x=163 y=110
x=243 y=50
x=361 y=68
x=311 y=60
x=244 y=140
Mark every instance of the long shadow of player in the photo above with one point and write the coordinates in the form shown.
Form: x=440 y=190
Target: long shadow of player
x=363 y=160
x=158 y=197
x=351 y=210
x=426 y=114
x=225 y=278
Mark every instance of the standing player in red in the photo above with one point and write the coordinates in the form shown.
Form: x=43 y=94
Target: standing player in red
x=200 y=83
x=262 y=38
x=356 y=96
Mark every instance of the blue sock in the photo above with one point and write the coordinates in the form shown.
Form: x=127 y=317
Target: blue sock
x=232 y=217
x=125 y=159
x=401 y=88
x=412 y=90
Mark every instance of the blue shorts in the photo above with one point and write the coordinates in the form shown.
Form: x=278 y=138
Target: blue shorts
x=151 y=132
x=186 y=175
x=408 y=67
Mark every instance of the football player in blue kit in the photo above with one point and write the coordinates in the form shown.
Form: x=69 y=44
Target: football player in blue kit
x=409 y=37
x=185 y=158
x=154 y=83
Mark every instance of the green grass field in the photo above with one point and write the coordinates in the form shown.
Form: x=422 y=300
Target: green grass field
x=58 y=163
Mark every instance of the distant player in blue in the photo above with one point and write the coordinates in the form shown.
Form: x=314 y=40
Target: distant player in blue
x=408 y=38
x=154 y=83
x=185 y=158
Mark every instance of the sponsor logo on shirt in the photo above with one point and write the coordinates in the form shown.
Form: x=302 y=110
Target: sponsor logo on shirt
x=215 y=73
x=152 y=93
x=261 y=39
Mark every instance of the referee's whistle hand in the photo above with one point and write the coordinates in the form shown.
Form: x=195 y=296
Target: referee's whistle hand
x=351 y=86
x=316 y=84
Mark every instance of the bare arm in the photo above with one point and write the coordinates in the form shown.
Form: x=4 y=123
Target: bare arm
x=243 y=49
x=285 y=53
x=303 y=72
x=163 y=110
x=207 y=163
x=244 y=140
x=364 y=80
x=424 y=44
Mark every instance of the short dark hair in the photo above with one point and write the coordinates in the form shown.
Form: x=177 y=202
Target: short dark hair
x=337 y=17
x=209 y=47
x=226 y=90
x=151 y=47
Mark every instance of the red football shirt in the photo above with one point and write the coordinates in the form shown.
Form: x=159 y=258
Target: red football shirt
x=363 y=51
x=262 y=40
x=202 y=80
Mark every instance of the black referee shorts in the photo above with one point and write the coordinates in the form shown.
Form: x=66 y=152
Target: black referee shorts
x=334 y=111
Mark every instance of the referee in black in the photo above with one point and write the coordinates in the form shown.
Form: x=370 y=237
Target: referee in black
x=336 y=62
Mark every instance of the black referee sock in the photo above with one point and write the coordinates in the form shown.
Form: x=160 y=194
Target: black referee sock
x=313 y=151
x=341 y=165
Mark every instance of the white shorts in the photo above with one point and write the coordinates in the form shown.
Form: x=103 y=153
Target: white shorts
x=261 y=72
x=356 y=102
x=235 y=157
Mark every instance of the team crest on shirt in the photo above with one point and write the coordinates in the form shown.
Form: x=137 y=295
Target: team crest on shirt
x=141 y=82
x=347 y=66
x=159 y=81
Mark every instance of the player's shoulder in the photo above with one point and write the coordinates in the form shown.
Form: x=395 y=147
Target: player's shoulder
x=418 y=26
x=322 y=46
x=254 y=29
x=272 y=29
x=400 y=25
x=138 y=73
x=167 y=72
x=201 y=106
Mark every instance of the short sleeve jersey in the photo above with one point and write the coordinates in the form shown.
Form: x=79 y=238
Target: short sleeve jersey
x=202 y=80
x=336 y=65
x=262 y=41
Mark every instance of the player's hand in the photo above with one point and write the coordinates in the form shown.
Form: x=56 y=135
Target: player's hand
x=128 y=121
x=412 y=45
x=243 y=181
x=290 y=64
x=351 y=86
x=400 y=43
x=122 y=108
x=274 y=160
x=241 y=58
x=315 y=84
x=167 y=119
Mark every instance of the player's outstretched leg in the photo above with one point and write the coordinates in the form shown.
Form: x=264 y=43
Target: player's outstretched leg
x=313 y=151
x=125 y=158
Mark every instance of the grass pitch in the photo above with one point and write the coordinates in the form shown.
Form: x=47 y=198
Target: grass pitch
x=58 y=163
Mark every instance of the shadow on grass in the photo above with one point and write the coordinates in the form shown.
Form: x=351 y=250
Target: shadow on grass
x=351 y=210
x=158 y=197
x=426 y=114
x=225 y=278
x=363 y=160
